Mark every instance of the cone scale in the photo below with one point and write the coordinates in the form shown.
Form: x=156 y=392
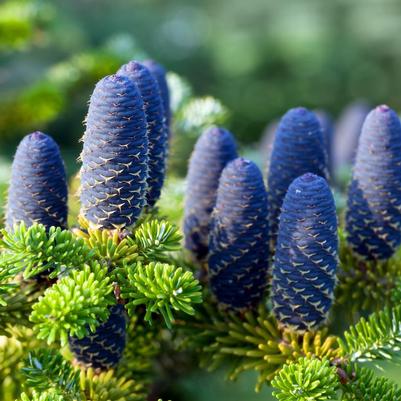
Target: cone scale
x=306 y=259
x=239 y=244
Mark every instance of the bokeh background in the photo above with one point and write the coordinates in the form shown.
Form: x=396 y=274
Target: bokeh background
x=257 y=58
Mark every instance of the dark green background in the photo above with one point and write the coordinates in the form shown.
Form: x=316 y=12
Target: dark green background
x=260 y=57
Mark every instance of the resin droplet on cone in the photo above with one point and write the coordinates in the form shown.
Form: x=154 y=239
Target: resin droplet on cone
x=298 y=149
x=103 y=349
x=38 y=186
x=156 y=127
x=373 y=219
x=306 y=259
x=115 y=155
x=213 y=150
x=239 y=243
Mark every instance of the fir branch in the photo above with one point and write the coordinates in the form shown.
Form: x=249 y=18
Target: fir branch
x=156 y=238
x=366 y=386
x=50 y=395
x=365 y=285
x=109 y=246
x=199 y=113
x=6 y=286
x=306 y=380
x=47 y=370
x=143 y=346
x=35 y=249
x=162 y=288
x=50 y=377
x=251 y=342
x=106 y=386
x=377 y=338
x=13 y=351
x=17 y=307
x=75 y=305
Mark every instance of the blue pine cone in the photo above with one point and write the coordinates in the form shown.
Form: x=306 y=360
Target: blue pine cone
x=104 y=348
x=38 y=187
x=239 y=238
x=213 y=150
x=159 y=73
x=156 y=127
x=298 y=149
x=306 y=259
x=373 y=219
x=115 y=155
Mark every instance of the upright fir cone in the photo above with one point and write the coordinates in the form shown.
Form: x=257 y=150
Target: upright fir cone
x=298 y=149
x=156 y=127
x=373 y=219
x=103 y=349
x=306 y=259
x=159 y=73
x=115 y=155
x=213 y=150
x=239 y=243
x=327 y=125
x=346 y=135
x=38 y=187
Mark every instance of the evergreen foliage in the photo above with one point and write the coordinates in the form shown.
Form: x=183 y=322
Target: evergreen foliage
x=162 y=288
x=120 y=291
x=305 y=380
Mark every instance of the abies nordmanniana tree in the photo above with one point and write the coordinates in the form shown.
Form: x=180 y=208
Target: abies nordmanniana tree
x=373 y=219
x=156 y=126
x=159 y=73
x=115 y=155
x=239 y=244
x=38 y=187
x=304 y=270
x=298 y=149
x=213 y=150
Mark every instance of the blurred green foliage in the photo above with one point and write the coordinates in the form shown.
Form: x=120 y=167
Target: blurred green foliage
x=259 y=58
